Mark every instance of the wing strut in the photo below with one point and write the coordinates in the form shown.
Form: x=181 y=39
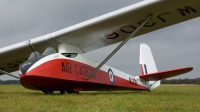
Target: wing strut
x=8 y=74
x=125 y=40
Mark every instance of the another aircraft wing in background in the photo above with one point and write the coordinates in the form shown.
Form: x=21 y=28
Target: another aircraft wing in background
x=106 y=29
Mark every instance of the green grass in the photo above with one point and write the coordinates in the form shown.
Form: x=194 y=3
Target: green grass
x=165 y=98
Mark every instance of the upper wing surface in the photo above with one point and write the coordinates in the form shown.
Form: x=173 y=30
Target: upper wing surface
x=106 y=29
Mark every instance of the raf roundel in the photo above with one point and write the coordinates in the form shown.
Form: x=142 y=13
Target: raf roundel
x=111 y=76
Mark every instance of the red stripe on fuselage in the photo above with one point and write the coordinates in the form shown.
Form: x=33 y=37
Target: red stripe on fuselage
x=63 y=73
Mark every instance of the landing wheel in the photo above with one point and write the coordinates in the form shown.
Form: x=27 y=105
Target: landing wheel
x=72 y=91
x=45 y=90
x=62 y=92
x=50 y=92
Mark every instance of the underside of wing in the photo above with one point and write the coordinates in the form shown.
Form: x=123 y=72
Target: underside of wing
x=116 y=26
x=165 y=74
x=106 y=29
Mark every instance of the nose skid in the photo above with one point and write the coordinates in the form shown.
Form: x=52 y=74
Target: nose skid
x=27 y=81
x=49 y=84
x=35 y=82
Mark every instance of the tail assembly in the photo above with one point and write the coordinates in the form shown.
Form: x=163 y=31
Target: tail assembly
x=147 y=64
x=149 y=71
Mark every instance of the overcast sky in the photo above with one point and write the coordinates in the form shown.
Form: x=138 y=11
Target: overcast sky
x=173 y=47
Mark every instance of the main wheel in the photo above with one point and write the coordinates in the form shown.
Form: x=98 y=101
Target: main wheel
x=62 y=92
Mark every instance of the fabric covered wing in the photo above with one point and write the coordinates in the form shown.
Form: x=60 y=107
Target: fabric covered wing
x=165 y=74
x=115 y=26
x=106 y=29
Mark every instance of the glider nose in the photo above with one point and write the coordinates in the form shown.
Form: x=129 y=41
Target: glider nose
x=27 y=64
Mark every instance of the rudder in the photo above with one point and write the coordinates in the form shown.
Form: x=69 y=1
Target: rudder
x=147 y=63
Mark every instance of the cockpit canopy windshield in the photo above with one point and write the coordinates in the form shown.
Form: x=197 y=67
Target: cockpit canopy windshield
x=70 y=55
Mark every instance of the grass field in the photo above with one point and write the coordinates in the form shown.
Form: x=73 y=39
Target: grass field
x=168 y=98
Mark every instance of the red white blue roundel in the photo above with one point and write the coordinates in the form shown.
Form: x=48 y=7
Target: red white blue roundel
x=111 y=76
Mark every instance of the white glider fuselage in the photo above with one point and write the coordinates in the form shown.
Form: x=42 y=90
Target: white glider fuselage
x=71 y=72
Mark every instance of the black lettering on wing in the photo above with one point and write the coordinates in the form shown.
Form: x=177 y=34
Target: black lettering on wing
x=148 y=24
x=128 y=29
x=21 y=60
x=161 y=18
x=12 y=65
x=112 y=35
x=186 y=10
x=1 y=68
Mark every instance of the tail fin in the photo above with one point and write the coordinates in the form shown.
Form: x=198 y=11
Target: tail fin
x=147 y=64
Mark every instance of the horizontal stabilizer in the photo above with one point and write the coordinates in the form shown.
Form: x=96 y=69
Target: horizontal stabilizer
x=165 y=74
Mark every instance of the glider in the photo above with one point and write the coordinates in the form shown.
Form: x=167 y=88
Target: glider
x=55 y=62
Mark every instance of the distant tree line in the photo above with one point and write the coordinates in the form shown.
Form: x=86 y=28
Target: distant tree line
x=10 y=82
x=181 y=81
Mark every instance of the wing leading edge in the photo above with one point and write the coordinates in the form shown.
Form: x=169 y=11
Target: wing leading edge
x=105 y=30
x=115 y=26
